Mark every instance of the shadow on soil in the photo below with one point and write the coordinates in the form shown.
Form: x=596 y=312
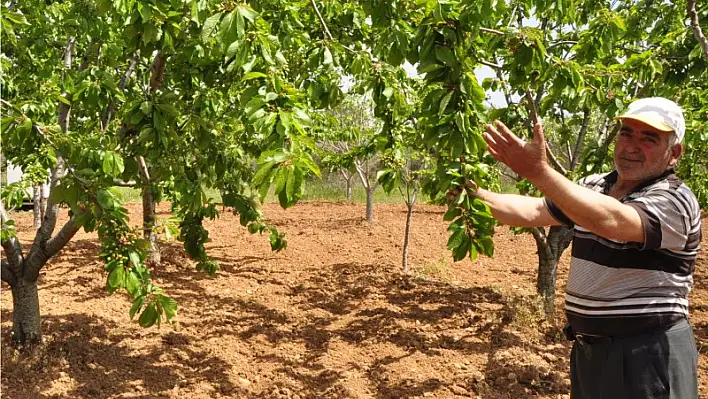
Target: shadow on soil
x=414 y=315
x=89 y=351
x=379 y=306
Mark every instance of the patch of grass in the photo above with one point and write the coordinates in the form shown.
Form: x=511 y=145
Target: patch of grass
x=315 y=190
x=439 y=269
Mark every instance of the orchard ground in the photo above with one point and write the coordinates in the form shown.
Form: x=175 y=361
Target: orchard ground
x=330 y=317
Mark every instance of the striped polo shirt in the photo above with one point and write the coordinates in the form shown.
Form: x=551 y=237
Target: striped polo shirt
x=620 y=288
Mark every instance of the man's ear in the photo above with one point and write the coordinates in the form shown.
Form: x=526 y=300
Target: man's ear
x=676 y=151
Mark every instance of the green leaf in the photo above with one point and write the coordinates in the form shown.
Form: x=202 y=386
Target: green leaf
x=209 y=26
x=444 y=102
x=132 y=284
x=169 y=306
x=116 y=278
x=113 y=164
x=105 y=199
x=148 y=317
x=134 y=258
x=446 y=56
x=137 y=305
x=247 y=12
x=487 y=245
x=254 y=75
x=263 y=174
x=327 y=56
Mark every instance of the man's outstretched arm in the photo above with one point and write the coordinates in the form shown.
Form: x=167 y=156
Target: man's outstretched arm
x=517 y=210
x=599 y=213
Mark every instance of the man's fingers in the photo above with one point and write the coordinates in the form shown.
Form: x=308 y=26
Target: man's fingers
x=507 y=134
x=538 y=133
x=494 y=134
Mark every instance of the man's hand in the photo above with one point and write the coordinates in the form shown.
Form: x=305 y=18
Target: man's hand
x=453 y=193
x=525 y=158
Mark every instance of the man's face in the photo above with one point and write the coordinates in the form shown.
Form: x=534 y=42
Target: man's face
x=642 y=152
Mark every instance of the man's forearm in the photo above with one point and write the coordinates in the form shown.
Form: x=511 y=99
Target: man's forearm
x=599 y=213
x=514 y=210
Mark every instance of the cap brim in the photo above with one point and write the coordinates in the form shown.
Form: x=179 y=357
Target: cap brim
x=648 y=120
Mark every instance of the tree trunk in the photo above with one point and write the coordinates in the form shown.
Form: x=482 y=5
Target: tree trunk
x=149 y=224
x=550 y=248
x=43 y=202
x=26 y=327
x=349 y=187
x=407 y=233
x=370 y=203
x=37 y=206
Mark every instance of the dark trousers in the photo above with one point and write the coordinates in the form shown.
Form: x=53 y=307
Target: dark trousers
x=652 y=366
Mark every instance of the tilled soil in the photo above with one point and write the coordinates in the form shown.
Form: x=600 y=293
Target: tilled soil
x=332 y=316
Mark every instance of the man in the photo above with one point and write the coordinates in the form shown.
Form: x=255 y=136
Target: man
x=637 y=234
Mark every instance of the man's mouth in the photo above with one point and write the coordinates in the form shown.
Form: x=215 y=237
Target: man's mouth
x=631 y=160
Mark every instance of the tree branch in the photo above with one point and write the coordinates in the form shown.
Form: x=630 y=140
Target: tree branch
x=12 y=247
x=6 y=273
x=579 y=140
x=492 y=31
x=359 y=170
x=534 y=118
x=490 y=64
x=328 y=35
x=108 y=115
x=697 y=31
x=49 y=248
x=561 y=43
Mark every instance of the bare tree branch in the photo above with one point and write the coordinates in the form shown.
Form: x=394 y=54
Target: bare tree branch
x=360 y=171
x=6 y=273
x=561 y=43
x=328 y=35
x=49 y=248
x=534 y=118
x=579 y=140
x=12 y=247
x=697 y=31
x=490 y=64
x=492 y=31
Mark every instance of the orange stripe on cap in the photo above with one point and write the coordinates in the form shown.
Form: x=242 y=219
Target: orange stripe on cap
x=648 y=120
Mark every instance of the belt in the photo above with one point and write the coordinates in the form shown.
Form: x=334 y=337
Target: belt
x=585 y=339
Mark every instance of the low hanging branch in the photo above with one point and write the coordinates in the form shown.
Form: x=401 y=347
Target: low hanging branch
x=108 y=115
x=534 y=119
x=697 y=31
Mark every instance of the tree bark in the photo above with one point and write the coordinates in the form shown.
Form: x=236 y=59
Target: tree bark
x=550 y=248
x=407 y=232
x=697 y=31
x=149 y=219
x=26 y=328
x=36 y=206
x=348 y=178
x=370 y=203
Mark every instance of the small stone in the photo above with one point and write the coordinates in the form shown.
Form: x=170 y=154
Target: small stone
x=551 y=358
x=92 y=366
x=458 y=390
x=477 y=376
x=62 y=374
x=499 y=381
x=36 y=390
x=566 y=382
x=55 y=299
x=458 y=366
x=226 y=387
x=428 y=394
x=512 y=377
x=249 y=291
x=244 y=382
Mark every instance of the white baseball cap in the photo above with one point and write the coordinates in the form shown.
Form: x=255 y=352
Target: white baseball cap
x=660 y=113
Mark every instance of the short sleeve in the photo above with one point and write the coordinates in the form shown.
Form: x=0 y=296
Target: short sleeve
x=666 y=216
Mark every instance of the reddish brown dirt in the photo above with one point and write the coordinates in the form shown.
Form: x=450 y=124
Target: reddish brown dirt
x=330 y=317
